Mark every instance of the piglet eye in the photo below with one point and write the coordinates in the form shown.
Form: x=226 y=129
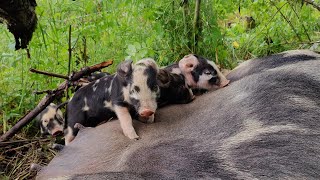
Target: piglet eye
x=135 y=89
x=155 y=88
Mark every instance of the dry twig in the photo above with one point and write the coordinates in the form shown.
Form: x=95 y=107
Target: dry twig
x=48 y=73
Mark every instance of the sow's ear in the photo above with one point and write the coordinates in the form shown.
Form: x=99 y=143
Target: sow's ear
x=163 y=78
x=125 y=68
x=187 y=63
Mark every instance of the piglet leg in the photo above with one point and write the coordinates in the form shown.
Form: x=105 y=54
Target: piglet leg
x=125 y=122
x=69 y=136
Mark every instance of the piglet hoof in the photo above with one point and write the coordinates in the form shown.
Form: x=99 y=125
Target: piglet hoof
x=133 y=137
x=35 y=167
x=79 y=126
x=131 y=134
x=57 y=147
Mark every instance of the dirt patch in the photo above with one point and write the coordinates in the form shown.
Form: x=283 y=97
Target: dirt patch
x=17 y=156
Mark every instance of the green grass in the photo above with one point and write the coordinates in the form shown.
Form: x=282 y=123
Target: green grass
x=161 y=29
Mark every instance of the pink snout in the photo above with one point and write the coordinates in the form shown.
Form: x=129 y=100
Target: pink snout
x=224 y=83
x=146 y=113
x=56 y=133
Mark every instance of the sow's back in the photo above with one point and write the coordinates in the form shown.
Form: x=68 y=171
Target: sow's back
x=264 y=125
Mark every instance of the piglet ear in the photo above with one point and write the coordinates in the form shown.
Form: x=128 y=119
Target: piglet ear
x=58 y=117
x=125 y=68
x=186 y=67
x=187 y=63
x=163 y=78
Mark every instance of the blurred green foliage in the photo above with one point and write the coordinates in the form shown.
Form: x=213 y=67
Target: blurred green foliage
x=161 y=29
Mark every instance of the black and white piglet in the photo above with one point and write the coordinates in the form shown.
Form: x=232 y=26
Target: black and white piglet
x=199 y=72
x=132 y=87
x=89 y=78
x=95 y=76
x=173 y=88
x=51 y=120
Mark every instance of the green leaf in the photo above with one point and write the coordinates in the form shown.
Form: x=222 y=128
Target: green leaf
x=131 y=50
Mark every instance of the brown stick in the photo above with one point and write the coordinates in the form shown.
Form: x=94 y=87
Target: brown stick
x=42 y=92
x=45 y=101
x=89 y=70
x=48 y=73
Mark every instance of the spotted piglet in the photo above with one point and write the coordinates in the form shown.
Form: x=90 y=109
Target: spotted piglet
x=132 y=87
x=173 y=88
x=199 y=73
x=51 y=120
x=96 y=75
x=90 y=78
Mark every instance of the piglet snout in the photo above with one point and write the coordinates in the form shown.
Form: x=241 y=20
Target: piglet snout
x=57 y=133
x=224 y=83
x=146 y=113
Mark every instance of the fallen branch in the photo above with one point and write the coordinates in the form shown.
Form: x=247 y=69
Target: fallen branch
x=42 y=92
x=75 y=76
x=48 y=73
x=89 y=70
x=62 y=104
x=45 y=101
